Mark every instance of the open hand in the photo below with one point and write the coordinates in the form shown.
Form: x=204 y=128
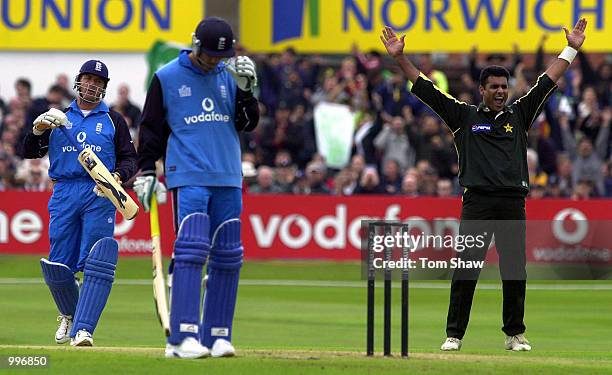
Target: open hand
x=394 y=46
x=576 y=37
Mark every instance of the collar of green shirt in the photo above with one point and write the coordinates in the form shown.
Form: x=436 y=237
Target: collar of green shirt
x=482 y=107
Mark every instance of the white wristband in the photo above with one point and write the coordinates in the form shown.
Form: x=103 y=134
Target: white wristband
x=568 y=54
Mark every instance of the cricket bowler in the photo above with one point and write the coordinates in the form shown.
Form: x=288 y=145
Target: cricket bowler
x=491 y=142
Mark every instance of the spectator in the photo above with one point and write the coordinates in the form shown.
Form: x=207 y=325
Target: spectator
x=23 y=91
x=3 y=111
x=583 y=190
x=357 y=165
x=369 y=183
x=392 y=177
x=589 y=114
x=394 y=95
x=265 y=182
x=393 y=143
x=536 y=176
x=600 y=79
x=553 y=189
x=281 y=134
x=331 y=91
x=410 y=185
x=315 y=178
x=344 y=184
x=62 y=82
x=285 y=171
x=587 y=163
x=537 y=191
x=5 y=171
x=123 y=105
x=436 y=76
x=36 y=180
x=444 y=188
x=431 y=145
x=608 y=179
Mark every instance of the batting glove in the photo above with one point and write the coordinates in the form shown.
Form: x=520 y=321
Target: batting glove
x=99 y=192
x=51 y=119
x=145 y=186
x=242 y=68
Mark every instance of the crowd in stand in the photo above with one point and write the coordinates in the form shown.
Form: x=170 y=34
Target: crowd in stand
x=399 y=147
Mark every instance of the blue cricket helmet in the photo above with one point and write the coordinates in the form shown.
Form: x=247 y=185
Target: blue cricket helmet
x=95 y=67
x=214 y=37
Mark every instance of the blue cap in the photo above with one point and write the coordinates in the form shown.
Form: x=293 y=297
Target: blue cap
x=95 y=67
x=215 y=37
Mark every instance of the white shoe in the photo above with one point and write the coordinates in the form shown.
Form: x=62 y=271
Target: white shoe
x=82 y=338
x=222 y=348
x=62 y=335
x=517 y=343
x=451 y=344
x=189 y=348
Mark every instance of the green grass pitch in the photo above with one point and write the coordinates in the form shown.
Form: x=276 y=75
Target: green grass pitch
x=309 y=317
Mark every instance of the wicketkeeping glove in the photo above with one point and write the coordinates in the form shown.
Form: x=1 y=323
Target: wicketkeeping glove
x=145 y=186
x=51 y=119
x=242 y=68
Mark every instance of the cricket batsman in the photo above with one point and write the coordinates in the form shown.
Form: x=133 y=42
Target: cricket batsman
x=194 y=109
x=82 y=220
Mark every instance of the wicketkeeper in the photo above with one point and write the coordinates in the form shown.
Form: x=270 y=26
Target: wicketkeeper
x=195 y=107
x=82 y=219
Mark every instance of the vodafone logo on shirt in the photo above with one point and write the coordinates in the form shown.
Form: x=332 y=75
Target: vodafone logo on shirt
x=81 y=137
x=208 y=114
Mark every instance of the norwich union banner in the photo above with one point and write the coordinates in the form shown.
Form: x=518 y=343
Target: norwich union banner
x=96 y=25
x=332 y=26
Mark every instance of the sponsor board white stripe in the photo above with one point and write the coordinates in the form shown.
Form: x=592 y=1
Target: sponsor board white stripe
x=344 y=284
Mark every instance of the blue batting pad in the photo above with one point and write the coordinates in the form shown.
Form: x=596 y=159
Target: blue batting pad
x=99 y=274
x=190 y=252
x=222 y=285
x=62 y=284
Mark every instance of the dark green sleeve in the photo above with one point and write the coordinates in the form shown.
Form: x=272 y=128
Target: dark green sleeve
x=450 y=110
x=530 y=105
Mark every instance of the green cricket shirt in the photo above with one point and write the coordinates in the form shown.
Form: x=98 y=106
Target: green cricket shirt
x=491 y=147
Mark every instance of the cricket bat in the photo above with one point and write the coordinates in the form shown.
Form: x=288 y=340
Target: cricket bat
x=105 y=180
x=159 y=287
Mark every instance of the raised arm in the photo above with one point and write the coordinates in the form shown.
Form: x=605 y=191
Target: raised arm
x=450 y=110
x=395 y=49
x=575 y=38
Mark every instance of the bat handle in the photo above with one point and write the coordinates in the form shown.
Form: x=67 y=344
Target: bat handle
x=67 y=135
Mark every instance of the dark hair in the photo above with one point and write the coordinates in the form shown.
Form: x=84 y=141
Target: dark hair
x=493 y=71
x=57 y=89
x=24 y=82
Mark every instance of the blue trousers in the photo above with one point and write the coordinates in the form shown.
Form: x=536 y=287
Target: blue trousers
x=78 y=218
x=219 y=203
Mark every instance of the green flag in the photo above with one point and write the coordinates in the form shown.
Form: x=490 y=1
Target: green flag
x=160 y=54
x=334 y=127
